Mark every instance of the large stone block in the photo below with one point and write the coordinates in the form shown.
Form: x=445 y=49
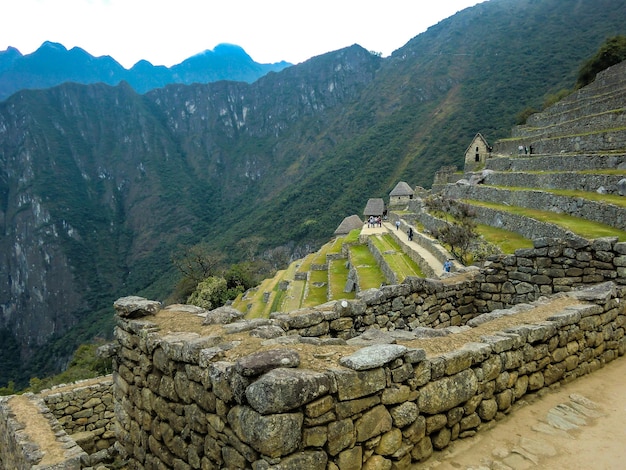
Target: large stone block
x=272 y=435
x=263 y=361
x=448 y=392
x=282 y=390
x=352 y=384
x=373 y=423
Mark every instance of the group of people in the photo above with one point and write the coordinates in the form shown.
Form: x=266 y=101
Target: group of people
x=374 y=221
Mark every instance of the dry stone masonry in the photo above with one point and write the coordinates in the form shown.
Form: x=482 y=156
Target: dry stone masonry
x=348 y=385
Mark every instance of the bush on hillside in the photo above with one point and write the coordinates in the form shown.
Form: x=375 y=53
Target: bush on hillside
x=612 y=52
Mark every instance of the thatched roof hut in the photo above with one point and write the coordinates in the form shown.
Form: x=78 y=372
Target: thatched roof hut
x=375 y=207
x=348 y=224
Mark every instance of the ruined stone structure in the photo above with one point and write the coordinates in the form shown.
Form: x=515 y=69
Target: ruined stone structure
x=378 y=382
x=348 y=384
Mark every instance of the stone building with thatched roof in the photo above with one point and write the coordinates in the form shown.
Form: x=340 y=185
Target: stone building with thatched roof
x=375 y=207
x=401 y=194
x=348 y=224
x=477 y=153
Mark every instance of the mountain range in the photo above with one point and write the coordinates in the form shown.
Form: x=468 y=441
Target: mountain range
x=52 y=64
x=100 y=184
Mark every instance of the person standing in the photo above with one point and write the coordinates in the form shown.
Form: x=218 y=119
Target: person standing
x=397 y=225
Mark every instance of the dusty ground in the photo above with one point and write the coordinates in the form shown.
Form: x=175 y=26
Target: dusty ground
x=37 y=428
x=524 y=440
x=171 y=321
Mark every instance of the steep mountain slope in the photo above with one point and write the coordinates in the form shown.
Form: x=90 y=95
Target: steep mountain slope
x=98 y=185
x=52 y=64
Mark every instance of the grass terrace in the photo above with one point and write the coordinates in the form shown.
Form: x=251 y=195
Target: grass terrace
x=370 y=275
x=581 y=227
x=397 y=260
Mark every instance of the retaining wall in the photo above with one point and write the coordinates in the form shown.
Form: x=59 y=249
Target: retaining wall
x=601 y=212
x=316 y=394
x=86 y=411
x=23 y=443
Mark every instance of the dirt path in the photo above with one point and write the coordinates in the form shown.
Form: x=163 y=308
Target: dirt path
x=579 y=426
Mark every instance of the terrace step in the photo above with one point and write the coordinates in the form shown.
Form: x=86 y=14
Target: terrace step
x=595 y=211
x=569 y=180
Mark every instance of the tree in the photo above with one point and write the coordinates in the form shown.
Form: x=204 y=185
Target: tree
x=210 y=293
x=197 y=262
x=459 y=231
x=612 y=52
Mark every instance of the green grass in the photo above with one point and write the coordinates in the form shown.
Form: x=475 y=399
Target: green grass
x=398 y=261
x=353 y=236
x=320 y=255
x=336 y=245
x=614 y=199
x=370 y=275
x=338 y=274
x=316 y=294
x=305 y=264
x=293 y=297
x=581 y=227
x=507 y=241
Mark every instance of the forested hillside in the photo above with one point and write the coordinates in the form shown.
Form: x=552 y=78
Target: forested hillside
x=99 y=185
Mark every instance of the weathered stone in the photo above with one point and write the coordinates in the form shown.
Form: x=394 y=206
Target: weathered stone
x=415 y=431
x=377 y=462
x=319 y=407
x=352 y=384
x=373 y=423
x=404 y=414
x=351 y=459
x=303 y=460
x=282 y=390
x=273 y=435
x=263 y=361
x=448 y=392
x=390 y=442
x=134 y=307
x=352 y=407
x=340 y=436
x=315 y=436
x=487 y=409
x=222 y=315
x=442 y=439
x=422 y=449
x=372 y=357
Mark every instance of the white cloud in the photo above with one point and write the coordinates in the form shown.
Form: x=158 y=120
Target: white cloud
x=165 y=32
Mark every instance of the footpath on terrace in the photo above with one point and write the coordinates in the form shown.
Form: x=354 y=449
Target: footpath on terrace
x=426 y=255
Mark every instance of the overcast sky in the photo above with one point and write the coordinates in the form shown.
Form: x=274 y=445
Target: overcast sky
x=165 y=32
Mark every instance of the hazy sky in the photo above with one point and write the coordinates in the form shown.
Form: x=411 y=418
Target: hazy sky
x=165 y=32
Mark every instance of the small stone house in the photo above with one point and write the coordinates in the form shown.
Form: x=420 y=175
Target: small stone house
x=375 y=207
x=401 y=194
x=477 y=153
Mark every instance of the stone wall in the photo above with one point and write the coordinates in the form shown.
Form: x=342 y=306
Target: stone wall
x=600 y=212
x=191 y=401
x=557 y=162
x=81 y=415
x=86 y=411
x=572 y=180
x=24 y=446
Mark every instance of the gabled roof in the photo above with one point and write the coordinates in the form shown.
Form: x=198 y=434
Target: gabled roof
x=375 y=206
x=480 y=137
x=402 y=189
x=348 y=224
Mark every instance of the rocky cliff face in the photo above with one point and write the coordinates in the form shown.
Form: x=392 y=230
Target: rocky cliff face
x=98 y=184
